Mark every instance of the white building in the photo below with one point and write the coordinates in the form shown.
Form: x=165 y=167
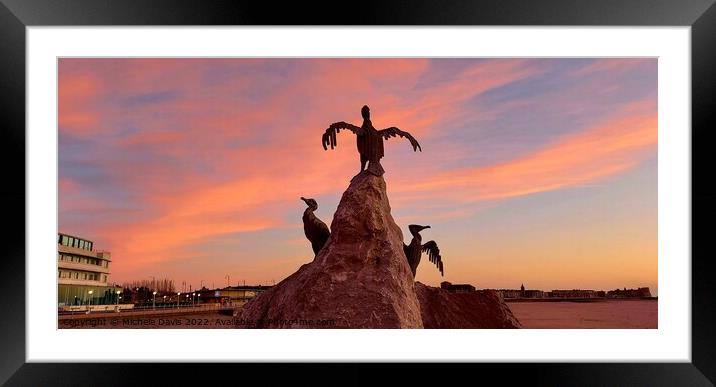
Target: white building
x=83 y=273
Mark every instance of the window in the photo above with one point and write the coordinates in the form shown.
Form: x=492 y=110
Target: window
x=82 y=244
x=77 y=275
x=90 y=246
x=65 y=240
x=104 y=278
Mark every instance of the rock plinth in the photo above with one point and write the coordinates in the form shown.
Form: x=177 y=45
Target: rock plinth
x=477 y=309
x=360 y=279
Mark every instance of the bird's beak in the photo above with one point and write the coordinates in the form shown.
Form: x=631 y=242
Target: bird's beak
x=426 y=227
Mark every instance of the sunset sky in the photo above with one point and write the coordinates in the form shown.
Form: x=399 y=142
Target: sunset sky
x=534 y=171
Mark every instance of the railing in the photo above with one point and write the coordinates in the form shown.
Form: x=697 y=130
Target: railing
x=102 y=309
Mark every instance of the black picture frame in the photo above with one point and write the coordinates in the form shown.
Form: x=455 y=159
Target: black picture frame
x=15 y=15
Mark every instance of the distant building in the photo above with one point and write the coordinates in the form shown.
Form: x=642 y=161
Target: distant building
x=457 y=288
x=509 y=293
x=83 y=273
x=629 y=293
x=574 y=293
x=532 y=293
x=520 y=293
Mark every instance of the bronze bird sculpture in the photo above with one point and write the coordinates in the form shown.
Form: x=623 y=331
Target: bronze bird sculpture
x=415 y=249
x=368 y=140
x=316 y=231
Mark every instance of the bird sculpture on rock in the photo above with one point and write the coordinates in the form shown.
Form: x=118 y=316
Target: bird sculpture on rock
x=316 y=231
x=369 y=140
x=415 y=249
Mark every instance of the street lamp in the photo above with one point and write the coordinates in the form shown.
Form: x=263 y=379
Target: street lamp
x=117 y=297
x=90 y=300
x=198 y=298
x=178 y=294
x=154 y=298
x=192 y=298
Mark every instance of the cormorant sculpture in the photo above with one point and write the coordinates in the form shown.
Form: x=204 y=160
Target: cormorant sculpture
x=369 y=140
x=415 y=249
x=316 y=231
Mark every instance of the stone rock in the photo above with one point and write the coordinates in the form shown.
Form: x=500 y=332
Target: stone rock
x=360 y=279
x=478 y=309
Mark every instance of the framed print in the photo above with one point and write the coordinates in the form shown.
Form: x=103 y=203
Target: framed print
x=515 y=165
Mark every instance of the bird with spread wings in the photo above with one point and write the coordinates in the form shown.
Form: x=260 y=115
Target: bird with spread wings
x=416 y=248
x=369 y=140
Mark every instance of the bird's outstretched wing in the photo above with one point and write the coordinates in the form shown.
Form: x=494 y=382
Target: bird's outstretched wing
x=329 y=137
x=393 y=131
x=431 y=248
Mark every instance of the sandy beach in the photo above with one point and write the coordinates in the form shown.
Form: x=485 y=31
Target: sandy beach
x=574 y=315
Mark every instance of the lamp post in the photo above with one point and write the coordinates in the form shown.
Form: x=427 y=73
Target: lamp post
x=117 y=298
x=192 y=298
x=198 y=298
x=178 y=294
x=164 y=303
x=154 y=298
x=90 y=300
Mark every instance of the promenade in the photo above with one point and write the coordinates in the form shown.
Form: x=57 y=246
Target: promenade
x=157 y=311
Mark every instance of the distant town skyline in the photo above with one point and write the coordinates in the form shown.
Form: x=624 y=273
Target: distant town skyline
x=534 y=171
